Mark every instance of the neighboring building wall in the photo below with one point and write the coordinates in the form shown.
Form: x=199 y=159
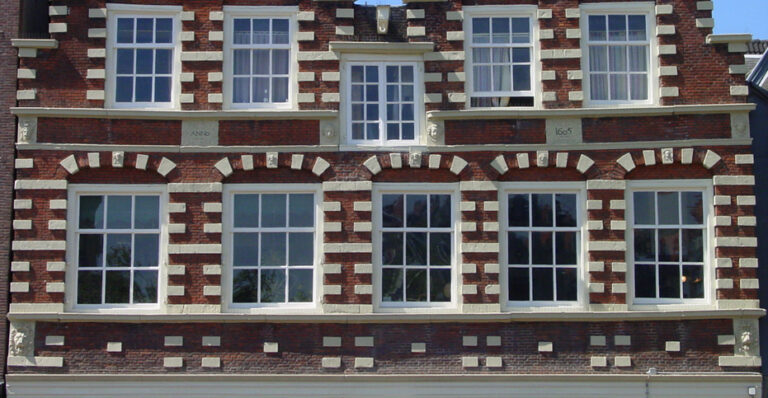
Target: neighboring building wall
x=694 y=132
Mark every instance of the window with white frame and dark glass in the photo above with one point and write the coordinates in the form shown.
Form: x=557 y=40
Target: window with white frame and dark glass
x=260 y=66
x=542 y=248
x=618 y=58
x=502 y=61
x=272 y=248
x=669 y=235
x=144 y=59
x=118 y=248
x=416 y=248
x=381 y=104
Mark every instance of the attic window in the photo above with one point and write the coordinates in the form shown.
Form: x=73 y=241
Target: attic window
x=34 y=19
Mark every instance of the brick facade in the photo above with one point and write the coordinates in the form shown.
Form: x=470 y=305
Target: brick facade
x=695 y=132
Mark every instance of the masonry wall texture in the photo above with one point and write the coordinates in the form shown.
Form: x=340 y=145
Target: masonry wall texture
x=696 y=135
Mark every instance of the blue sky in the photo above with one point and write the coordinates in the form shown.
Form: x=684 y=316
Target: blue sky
x=731 y=16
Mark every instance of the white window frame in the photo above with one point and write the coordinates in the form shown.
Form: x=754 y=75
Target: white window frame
x=704 y=186
x=73 y=211
x=115 y=11
x=623 y=8
x=566 y=187
x=230 y=190
x=376 y=238
x=508 y=11
x=234 y=12
x=346 y=106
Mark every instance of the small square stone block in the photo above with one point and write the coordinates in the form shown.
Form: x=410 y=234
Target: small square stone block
x=211 y=341
x=672 y=346
x=470 y=362
x=623 y=362
x=469 y=341
x=114 y=346
x=174 y=341
x=364 y=362
x=622 y=340
x=546 y=346
x=364 y=341
x=598 y=362
x=211 y=362
x=493 y=362
x=597 y=340
x=418 y=348
x=331 y=341
x=493 y=341
x=271 y=347
x=331 y=362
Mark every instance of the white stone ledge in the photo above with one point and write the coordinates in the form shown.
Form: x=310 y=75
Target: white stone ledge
x=347 y=247
x=212 y=207
x=97 y=13
x=735 y=242
x=444 y=56
x=22 y=204
x=201 y=56
x=22 y=224
x=35 y=245
x=54 y=287
x=331 y=206
x=739 y=362
x=42 y=362
x=194 y=187
x=20 y=266
x=733 y=180
x=211 y=248
x=607 y=246
x=335 y=186
x=19 y=287
x=570 y=53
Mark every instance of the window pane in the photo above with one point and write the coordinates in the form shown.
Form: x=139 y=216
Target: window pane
x=522 y=77
x=599 y=87
x=300 y=286
x=565 y=248
x=372 y=74
x=144 y=30
x=302 y=210
x=371 y=92
x=416 y=248
x=245 y=249
x=280 y=62
x=357 y=131
x=260 y=31
x=565 y=210
x=542 y=210
x=118 y=287
x=669 y=281
x=520 y=30
x=645 y=281
x=408 y=129
x=124 y=34
x=693 y=281
x=91 y=212
x=372 y=112
x=597 y=27
x=162 y=89
x=246 y=211
x=163 y=30
x=619 y=90
x=440 y=285
x=416 y=210
x=357 y=74
x=118 y=212
x=261 y=62
x=518 y=210
x=90 y=251
x=393 y=112
x=502 y=79
x=668 y=208
x=144 y=61
x=372 y=131
x=440 y=209
x=260 y=89
x=692 y=207
x=301 y=246
x=517 y=247
x=147 y=211
x=242 y=31
x=416 y=285
x=245 y=286
x=638 y=86
x=146 y=250
x=406 y=74
x=273 y=210
x=500 y=30
x=645 y=245
x=163 y=61
x=124 y=89
x=280 y=31
x=145 y=287
x=521 y=55
x=406 y=112
x=481 y=55
x=272 y=249
x=638 y=58
x=645 y=208
x=693 y=245
x=241 y=90
x=272 y=286
x=669 y=245
x=440 y=249
x=617 y=59
x=482 y=78
x=598 y=59
x=279 y=89
x=119 y=250
x=241 y=62
x=541 y=247
x=518 y=284
x=89 y=287
x=617 y=28
x=637 y=27
x=392 y=211
x=393 y=74
x=143 y=89
x=542 y=284
x=124 y=61
x=566 y=283
x=392 y=248
x=391 y=285
x=481 y=30
x=393 y=131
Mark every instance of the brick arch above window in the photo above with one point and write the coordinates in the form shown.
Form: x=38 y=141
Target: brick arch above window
x=415 y=160
x=272 y=160
x=522 y=160
x=117 y=159
x=668 y=156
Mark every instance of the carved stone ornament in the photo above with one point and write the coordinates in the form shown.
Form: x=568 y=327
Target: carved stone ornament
x=433 y=131
x=117 y=158
x=747 y=339
x=667 y=155
x=414 y=159
x=272 y=160
x=21 y=339
x=382 y=19
x=328 y=131
x=27 y=129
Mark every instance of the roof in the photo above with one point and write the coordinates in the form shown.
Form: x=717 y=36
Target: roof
x=757 y=47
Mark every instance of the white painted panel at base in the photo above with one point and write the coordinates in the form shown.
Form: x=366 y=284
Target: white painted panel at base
x=410 y=387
